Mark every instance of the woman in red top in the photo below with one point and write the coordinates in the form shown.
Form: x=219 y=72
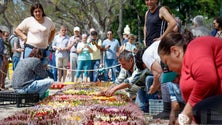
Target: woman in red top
x=200 y=67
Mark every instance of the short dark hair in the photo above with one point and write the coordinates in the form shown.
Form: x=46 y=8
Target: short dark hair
x=94 y=33
x=35 y=6
x=219 y=21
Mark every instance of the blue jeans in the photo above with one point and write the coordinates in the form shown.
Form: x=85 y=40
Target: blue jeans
x=53 y=70
x=174 y=91
x=15 y=61
x=93 y=75
x=110 y=63
x=1 y=60
x=38 y=86
x=142 y=98
x=83 y=65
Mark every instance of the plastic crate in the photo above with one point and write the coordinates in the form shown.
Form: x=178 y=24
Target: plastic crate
x=155 y=106
x=20 y=100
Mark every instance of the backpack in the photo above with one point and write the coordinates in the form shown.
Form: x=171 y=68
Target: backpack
x=11 y=45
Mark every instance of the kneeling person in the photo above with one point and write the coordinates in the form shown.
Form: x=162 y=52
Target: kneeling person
x=30 y=76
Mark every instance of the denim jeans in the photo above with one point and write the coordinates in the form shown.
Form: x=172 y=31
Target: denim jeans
x=27 y=52
x=142 y=98
x=1 y=60
x=38 y=86
x=52 y=62
x=93 y=75
x=174 y=91
x=15 y=61
x=83 y=65
x=110 y=63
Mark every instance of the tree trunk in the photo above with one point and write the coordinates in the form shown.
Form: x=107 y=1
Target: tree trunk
x=119 y=31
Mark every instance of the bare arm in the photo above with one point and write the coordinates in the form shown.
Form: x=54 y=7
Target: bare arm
x=79 y=50
x=105 y=48
x=51 y=36
x=175 y=108
x=98 y=46
x=156 y=70
x=111 y=91
x=71 y=43
x=20 y=33
x=118 y=51
x=90 y=49
x=16 y=48
x=187 y=111
x=144 y=29
x=164 y=14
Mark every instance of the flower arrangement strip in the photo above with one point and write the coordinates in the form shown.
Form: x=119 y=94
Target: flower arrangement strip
x=80 y=104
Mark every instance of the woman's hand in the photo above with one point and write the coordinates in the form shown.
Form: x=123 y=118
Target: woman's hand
x=172 y=120
x=185 y=117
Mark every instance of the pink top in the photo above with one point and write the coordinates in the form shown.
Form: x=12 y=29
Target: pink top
x=201 y=73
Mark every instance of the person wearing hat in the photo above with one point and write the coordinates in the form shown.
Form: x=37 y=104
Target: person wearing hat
x=72 y=45
x=126 y=34
x=130 y=45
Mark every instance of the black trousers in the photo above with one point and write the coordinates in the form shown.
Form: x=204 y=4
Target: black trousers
x=209 y=111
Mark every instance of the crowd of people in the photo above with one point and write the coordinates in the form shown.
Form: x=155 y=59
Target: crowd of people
x=181 y=68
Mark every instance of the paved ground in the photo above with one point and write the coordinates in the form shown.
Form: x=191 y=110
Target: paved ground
x=10 y=109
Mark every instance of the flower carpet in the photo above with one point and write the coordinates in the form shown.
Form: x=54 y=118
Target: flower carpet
x=80 y=104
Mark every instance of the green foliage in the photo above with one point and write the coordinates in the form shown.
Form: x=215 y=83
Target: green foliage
x=134 y=12
x=84 y=12
x=187 y=9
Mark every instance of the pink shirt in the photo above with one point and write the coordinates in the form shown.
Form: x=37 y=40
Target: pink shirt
x=201 y=74
x=37 y=33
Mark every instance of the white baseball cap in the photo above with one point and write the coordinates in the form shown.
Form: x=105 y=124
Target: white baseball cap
x=76 y=28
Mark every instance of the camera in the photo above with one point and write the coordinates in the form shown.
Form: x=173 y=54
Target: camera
x=93 y=41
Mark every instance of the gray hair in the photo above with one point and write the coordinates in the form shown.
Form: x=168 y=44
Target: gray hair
x=198 y=20
x=126 y=55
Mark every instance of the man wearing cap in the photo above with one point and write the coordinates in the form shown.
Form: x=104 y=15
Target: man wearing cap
x=73 y=41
